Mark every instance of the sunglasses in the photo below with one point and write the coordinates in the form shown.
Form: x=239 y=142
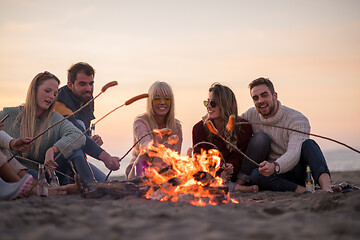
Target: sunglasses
x=157 y=100
x=207 y=102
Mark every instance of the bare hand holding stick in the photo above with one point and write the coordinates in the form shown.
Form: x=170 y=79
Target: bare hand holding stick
x=128 y=102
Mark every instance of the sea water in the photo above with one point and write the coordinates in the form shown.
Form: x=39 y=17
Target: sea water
x=342 y=160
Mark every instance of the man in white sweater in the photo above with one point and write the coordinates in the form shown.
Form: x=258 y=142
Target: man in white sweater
x=290 y=152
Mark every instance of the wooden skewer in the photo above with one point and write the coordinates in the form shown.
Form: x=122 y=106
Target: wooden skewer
x=212 y=129
x=128 y=102
x=102 y=119
x=298 y=131
x=103 y=89
x=162 y=131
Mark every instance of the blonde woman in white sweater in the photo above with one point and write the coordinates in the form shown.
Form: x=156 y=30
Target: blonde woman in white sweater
x=284 y=170
x=160 y=114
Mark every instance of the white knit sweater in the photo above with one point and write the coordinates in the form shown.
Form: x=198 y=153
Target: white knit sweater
x=5 y=153
x=285 y=144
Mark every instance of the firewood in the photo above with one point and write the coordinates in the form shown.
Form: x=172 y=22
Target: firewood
x=186 y=198
x=116 y=190
x=204 y=177
x=157 y=195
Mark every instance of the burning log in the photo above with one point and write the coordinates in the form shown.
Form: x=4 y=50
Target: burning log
x=176 y=178
x=217 y=199
x=205 y=200
x=166 y=170
x=157 y=195
x=218 y=190
x=204 y=177
x=116 y=190
x=186 y=198
x=171 y=183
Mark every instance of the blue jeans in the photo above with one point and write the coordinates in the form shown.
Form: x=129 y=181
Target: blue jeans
x=258 y=149
x=311 y=155
x=65 y=168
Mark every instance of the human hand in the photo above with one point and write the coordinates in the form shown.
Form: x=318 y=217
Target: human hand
x=97 y=139
x=20 y=144
x=49 y=161
x=112 y=163
x=227 y=172
x=1 y=125
x=266 y=168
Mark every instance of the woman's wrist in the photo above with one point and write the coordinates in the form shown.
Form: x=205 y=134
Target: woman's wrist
x=55 y=149
x=11 y=143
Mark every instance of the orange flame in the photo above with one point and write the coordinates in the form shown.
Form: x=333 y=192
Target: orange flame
x=185 y=179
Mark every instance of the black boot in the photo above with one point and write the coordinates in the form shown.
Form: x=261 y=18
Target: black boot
x=83 y=169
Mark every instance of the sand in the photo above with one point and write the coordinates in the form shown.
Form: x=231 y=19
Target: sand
x=263 y=215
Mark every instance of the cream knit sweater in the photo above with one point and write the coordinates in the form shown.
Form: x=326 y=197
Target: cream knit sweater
x=285 y=144
x=141 y=127
x=5 y=153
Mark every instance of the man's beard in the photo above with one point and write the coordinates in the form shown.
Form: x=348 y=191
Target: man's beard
x=271 y=110
x=82 y=98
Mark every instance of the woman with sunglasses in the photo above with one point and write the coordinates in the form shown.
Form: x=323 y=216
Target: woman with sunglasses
x=160 y=114
x=36 y=115
x=220 y=105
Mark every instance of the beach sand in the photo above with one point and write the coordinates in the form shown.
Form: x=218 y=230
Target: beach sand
x=263 y=215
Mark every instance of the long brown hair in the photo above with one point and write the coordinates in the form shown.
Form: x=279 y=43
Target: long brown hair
x=27 y=116
x=225 y=98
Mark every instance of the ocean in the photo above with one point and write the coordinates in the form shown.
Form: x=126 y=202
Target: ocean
x=342 y=160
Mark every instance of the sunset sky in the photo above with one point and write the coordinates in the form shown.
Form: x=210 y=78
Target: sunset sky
x=309 y=49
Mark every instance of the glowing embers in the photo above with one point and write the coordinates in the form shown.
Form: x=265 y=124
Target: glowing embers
x=177 y=178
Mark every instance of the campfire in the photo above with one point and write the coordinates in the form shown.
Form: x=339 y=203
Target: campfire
x=172 y=177
x=179 y=178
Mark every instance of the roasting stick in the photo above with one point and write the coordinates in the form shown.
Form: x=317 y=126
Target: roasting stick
x=161 y=131
x=232 y=123
x=107 y=176
x=128 y=102
x=173 y=139
x=37 y=180
x=212 y=129
x=32 y=161
x=298 y=131
x=103 y=89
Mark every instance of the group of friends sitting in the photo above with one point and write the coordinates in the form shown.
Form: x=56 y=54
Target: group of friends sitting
x=38 y=134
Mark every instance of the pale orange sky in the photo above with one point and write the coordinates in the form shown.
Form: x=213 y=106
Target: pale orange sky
x=309 y=49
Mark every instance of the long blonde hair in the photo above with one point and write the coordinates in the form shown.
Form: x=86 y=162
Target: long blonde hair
x=164 y=89
x=27 y=116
